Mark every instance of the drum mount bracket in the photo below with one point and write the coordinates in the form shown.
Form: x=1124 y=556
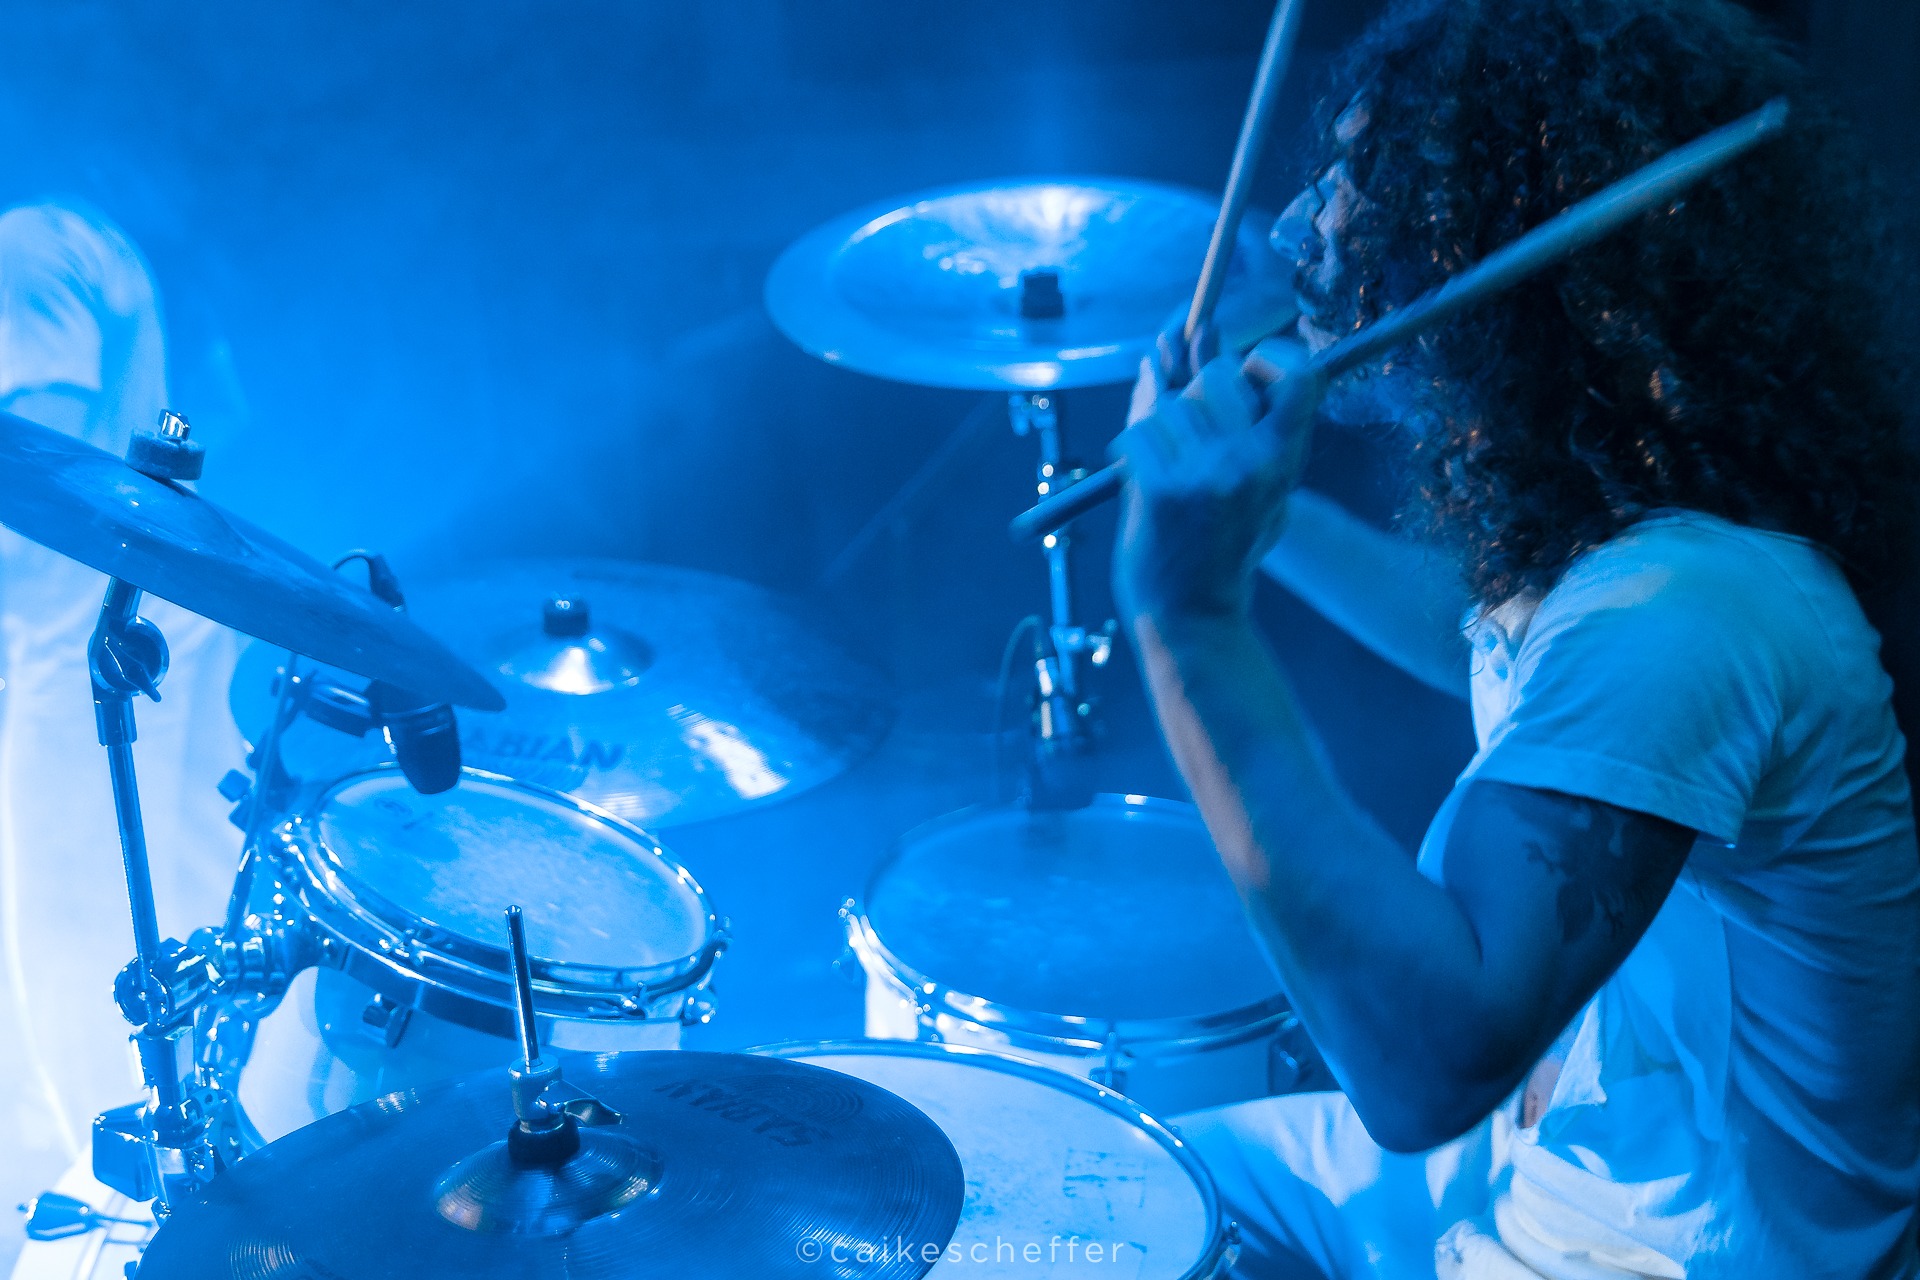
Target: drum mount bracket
x=1064 y=724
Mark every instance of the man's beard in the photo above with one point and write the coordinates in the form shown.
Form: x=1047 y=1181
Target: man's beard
x=1382 y=393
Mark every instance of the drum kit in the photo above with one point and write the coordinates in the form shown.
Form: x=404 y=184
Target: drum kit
x=1027 y=1003
x=1023 y=1000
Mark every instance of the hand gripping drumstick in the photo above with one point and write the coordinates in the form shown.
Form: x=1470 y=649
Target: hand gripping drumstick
x=1559 y=237
x=1272 y=73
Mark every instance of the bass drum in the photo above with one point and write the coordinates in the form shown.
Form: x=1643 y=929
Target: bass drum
x=1064 y=1178
x=1105 y=941
x=402 y=897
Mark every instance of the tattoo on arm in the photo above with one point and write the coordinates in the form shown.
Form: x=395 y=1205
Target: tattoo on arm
x=1614 y=865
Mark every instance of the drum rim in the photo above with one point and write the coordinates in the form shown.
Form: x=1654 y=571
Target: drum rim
x=1221 y=1232
x=420 y=953
x=1062 y=1032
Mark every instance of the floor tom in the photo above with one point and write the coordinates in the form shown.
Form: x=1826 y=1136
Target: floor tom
x=1063 y=1178
x=1106 y=941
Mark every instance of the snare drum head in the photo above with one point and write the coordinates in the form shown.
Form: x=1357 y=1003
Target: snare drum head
x=1120 y=911
x=594 y=893
x=1046 y=1162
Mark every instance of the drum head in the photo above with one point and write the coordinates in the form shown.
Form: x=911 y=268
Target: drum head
x=1048 y=1160
x=594 y=892
x=1120 y=911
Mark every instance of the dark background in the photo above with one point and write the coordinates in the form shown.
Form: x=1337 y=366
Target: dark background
x=458 y=281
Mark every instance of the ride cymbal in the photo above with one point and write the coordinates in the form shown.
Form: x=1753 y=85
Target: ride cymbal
x=1018 y=286
x=88 y=505
x=721 y=1166
x=661 y=695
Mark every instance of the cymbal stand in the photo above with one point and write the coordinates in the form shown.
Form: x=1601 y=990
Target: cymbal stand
x=1063 y=725
x=178 y=1138
x=169 y=1145
x=547 y=1111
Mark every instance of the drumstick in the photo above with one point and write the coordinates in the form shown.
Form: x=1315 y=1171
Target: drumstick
x=1267 y=79
x=1550 y=242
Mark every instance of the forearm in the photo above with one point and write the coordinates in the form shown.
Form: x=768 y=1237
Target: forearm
x=1381 y=964
x=1393 y=595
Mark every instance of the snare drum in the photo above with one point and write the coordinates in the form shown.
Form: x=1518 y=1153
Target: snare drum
x=1105 y=941
x=1064 y=1178
x=400 y=896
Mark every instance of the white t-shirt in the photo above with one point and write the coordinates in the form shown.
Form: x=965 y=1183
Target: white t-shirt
x=1743 y=1097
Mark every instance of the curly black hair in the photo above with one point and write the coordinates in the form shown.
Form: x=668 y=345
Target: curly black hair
x=1736 y=352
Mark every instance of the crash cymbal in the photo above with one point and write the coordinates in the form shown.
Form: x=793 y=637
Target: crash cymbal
x=165 y=539
x=722 y=1166
x=662 y=695
x=1018 y=286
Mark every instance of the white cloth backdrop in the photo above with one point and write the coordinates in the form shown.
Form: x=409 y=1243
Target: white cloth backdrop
x=81 y=350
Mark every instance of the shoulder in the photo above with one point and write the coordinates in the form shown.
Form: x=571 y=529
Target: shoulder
x=1696 y=576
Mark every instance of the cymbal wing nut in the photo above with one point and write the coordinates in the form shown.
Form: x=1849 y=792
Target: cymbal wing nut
x=167 y=452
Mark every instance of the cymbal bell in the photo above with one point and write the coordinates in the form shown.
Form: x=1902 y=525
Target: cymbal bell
x=490 y=1191
x=166 y=539
x=722 y=1166
x=1023 y=285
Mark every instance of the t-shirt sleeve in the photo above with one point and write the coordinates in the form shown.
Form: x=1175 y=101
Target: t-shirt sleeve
x=1652 y=682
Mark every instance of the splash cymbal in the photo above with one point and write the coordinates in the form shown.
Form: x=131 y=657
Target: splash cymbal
x=662 y=695
x=1018 y=286
x=721 y=1166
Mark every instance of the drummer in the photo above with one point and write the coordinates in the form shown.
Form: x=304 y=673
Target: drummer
x=81 y=350
x=1648 y=1004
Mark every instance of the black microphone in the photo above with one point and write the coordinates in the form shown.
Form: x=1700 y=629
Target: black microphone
x=424 y=736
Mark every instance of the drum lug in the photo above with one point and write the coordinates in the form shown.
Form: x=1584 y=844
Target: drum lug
x=698 y=1009
x=1112 y=1071
x=259 y=961
x=222 y=1043
x=1293 y=1065
x=384 y=1021
x=1230 y=1249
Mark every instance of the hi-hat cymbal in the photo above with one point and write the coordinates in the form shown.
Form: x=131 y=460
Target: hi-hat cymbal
x=89 y=505
x=722 y=1166
x=1018 y=286
x=662 y=695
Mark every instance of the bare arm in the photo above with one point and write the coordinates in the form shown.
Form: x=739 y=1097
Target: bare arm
x=1396 y=597
x=1431 y=997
